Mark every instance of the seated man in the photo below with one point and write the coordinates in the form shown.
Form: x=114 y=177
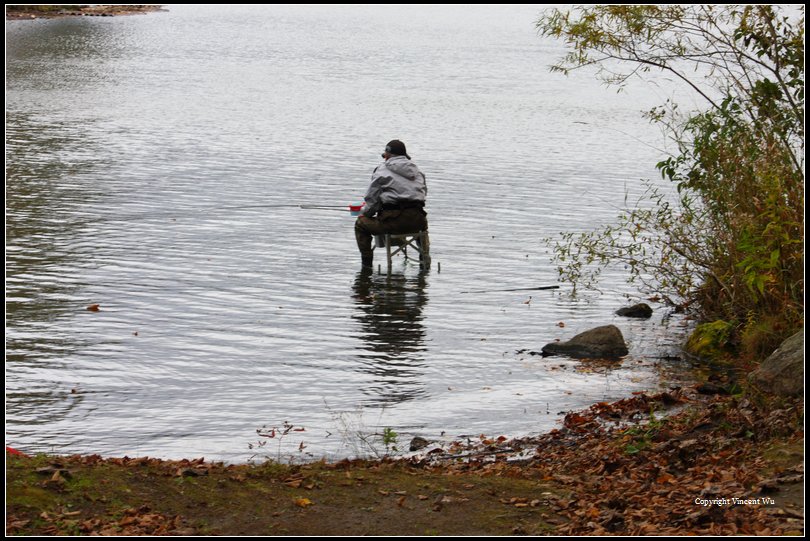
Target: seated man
x=395 y=200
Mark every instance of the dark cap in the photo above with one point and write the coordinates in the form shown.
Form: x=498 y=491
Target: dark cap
x=397 y=148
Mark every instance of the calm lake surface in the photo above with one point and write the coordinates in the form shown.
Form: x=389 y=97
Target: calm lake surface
x=155 y=167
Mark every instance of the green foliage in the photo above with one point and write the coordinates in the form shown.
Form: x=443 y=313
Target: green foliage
x=761 y=331
x=728 y=242
x=389 y=438
x=643 y=435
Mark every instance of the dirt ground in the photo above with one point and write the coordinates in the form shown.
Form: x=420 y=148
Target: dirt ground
x=699 y=465
x=83 y=495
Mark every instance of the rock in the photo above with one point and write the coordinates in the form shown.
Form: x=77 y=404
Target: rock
x=640 y=310
x=783 y=372
x=418 y=443
x=602 y=342
x=711 y=341
x=710 y=388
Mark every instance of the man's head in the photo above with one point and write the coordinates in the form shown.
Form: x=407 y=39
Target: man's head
x=395 y=148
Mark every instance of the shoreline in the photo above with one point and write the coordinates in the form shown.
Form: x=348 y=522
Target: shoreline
x=678 y=462
x=23 y=13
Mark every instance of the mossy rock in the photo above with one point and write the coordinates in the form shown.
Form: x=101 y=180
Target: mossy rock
x=710 y=341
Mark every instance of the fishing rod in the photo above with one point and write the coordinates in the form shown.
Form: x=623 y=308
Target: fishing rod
x=342 y=208
x=192 y=210
x=516 y=289
x=279 y=205
x=178 y=212
x=337 y=208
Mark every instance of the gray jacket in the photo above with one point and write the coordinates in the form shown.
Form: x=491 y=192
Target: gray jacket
x=393 y=182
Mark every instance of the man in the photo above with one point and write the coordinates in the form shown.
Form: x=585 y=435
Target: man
x=395 y=200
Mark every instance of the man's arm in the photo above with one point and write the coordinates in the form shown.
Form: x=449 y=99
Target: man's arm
x=372 y=198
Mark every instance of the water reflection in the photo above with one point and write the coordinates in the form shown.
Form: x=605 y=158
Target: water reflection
x=39 y=198
x=76 y=49
x=389 y=310
x=51 y=166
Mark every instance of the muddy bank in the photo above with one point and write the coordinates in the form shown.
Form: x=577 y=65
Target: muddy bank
x=699 y=464
x=23 y=12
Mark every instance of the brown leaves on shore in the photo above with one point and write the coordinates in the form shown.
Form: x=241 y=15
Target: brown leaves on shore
x=140 y=521
x=699 y=471
x=671 y=476
x=171 y=468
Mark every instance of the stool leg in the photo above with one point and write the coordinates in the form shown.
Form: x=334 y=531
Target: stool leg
x=388 y=250
x=424 y=249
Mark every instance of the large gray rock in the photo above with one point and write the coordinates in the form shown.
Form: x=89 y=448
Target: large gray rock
x=640 y=310
x=783 y=372
x=602 y=342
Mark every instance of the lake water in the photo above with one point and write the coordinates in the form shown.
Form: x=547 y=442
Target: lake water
x=155 y=167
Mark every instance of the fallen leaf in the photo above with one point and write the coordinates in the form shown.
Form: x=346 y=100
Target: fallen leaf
x=574 y=419
x=56 y=479
x=17 y=524
x=303 y=502
x=439 y=502
x=187 y=472
x=665 y=478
